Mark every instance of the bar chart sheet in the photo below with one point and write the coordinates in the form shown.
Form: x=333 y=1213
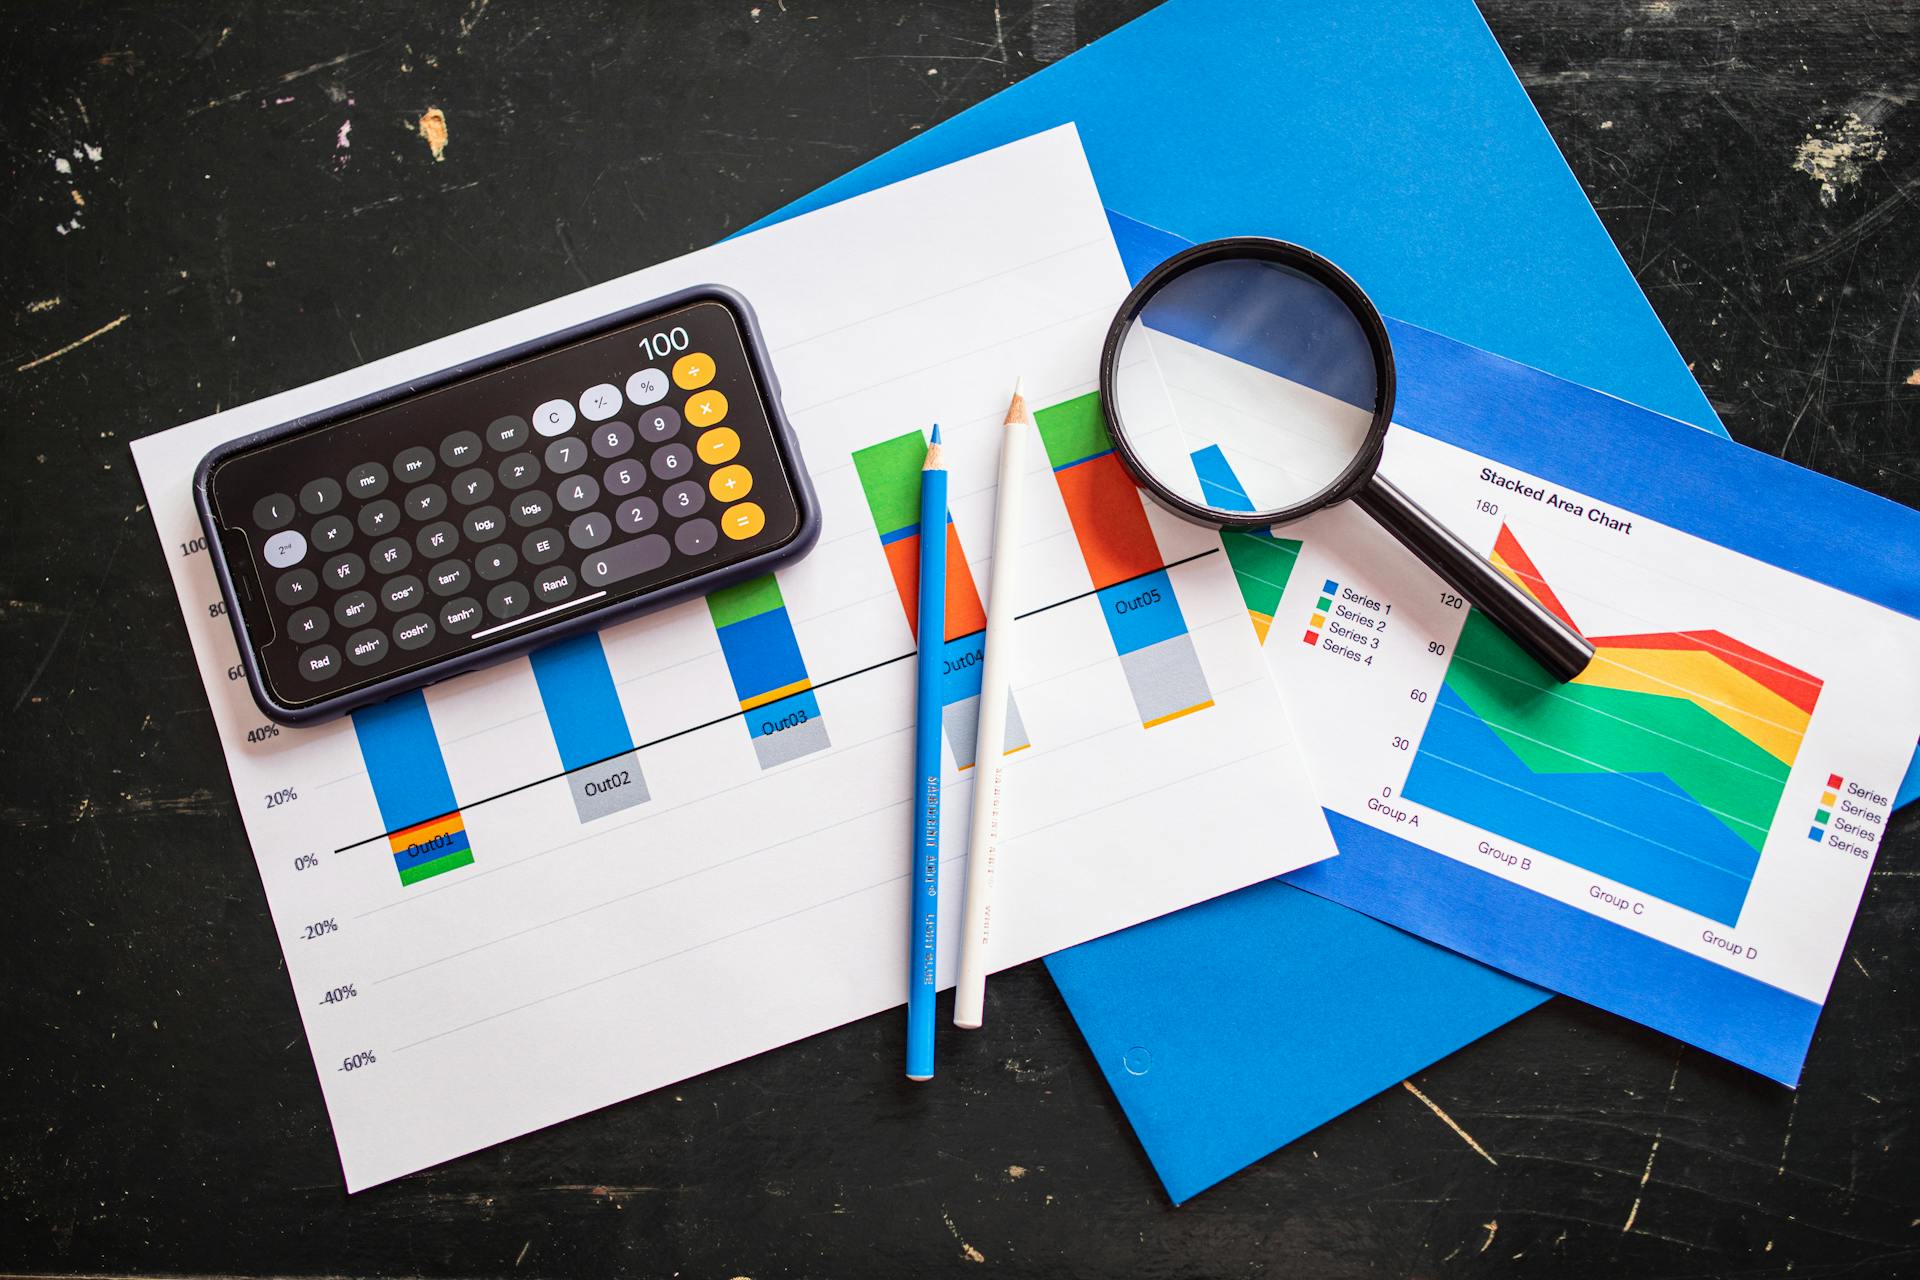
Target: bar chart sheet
x=559 y=882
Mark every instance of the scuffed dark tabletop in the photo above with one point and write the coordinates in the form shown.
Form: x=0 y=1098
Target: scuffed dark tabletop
x=206 y=205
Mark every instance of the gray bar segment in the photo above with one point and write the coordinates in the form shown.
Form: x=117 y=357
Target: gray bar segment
x=790 y=743
x=962 y=722
x=1166 y=678
x=608 y=787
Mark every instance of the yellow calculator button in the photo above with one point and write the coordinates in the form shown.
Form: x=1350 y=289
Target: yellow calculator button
x=704 y=408
x=693 y=371
x=743 y=521
x=718 y=446
x=730 y=484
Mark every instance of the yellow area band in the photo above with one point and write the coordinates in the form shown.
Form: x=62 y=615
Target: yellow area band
x=1740 y=702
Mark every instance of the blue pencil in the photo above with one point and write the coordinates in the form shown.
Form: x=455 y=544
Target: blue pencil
x=924 y=889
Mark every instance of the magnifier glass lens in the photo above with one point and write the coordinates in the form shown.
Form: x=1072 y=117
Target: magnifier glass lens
x=1246 y=385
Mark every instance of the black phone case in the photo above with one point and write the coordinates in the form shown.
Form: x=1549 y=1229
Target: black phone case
x=338 y=705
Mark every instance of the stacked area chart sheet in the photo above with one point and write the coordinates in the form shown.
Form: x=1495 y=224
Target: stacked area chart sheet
x=551 y=885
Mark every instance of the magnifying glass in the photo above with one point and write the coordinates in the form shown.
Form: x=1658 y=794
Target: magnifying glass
x=1249 y=382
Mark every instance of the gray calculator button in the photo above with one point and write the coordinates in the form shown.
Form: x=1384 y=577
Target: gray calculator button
x=696 y=536
x=317 y=497
x=637 y=515
x=354 y=609
x=658 y=424
x=413 y=465
x=496 y=562
x=332 y=533
x=598 y=403
x=364 y=648
x=379 y=518
x=519 y=471
x=508 y=600
x=322 y=662
x=449 y=577
x=565 y=456
x=683 y=499
x=297 y=587
x=343 y=572
x=461 y=449
x=555 y=584
x=402 y=593
x=460 y=616
x=415 y=631
x=426 y=502
x=390 y=555
x=589 y=531
x=611 y=439
x=611 y=564
x=284 y=549
x=672 y=462
x=507 y=433
x=309 y=624
x=649 y=386
x=624 y=477
x=543 y=546
x=484 y=524
x=437 y=539
x=472 y=486
x=578 y=493
x=368 y=480
x=531 y=509
x=275 y=511
x=553 y=418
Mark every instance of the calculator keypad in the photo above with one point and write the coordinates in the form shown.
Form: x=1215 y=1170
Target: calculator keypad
x=417 y=531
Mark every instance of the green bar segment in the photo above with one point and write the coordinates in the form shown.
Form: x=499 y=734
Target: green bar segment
x=745 y=600
x=1073 y=430
x=890 y=473
x=428 y=870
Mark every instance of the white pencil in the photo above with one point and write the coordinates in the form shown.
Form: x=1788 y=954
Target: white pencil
x=990 y=755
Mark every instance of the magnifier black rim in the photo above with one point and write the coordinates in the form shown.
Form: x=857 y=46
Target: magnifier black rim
x=1266 y=249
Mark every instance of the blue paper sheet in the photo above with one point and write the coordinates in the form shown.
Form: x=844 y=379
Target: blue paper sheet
x=1394 y=138
x=1389 y=135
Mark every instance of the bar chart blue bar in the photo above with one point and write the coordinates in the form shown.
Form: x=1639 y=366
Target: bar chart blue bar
x=589 y=727
x=425 y=830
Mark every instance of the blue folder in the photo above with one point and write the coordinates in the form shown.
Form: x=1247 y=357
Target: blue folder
x=1389 y=135
x=1392 y=136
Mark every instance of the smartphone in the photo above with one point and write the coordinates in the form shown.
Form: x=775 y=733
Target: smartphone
x=613 y=468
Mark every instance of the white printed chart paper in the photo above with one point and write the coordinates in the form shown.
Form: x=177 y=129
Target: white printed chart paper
x=1681 y=834
x=727 y=873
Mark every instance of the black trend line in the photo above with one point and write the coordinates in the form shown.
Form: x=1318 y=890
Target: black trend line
x=736 y=715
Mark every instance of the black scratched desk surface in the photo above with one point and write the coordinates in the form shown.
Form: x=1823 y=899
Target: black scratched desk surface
x=206 y=205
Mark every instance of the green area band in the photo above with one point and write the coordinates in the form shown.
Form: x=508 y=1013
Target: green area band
x=1580 y=728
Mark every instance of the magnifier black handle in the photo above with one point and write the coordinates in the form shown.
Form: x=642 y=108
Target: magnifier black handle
x=1550 y=642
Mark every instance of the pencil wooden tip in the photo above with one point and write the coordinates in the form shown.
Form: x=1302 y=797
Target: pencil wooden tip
x=936 y=454
x=1017 y=407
